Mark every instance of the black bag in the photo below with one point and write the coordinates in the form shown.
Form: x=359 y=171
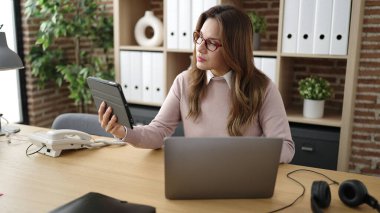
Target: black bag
x=98 y=203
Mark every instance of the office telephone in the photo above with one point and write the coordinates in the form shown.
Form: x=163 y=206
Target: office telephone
x=52 y=142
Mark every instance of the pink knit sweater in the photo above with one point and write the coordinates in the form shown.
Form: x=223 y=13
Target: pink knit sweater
x=271 y=121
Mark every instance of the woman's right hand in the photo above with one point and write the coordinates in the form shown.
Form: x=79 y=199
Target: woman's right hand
x=109 y=122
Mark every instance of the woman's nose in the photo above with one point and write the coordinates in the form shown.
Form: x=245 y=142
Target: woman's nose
x=202 y=46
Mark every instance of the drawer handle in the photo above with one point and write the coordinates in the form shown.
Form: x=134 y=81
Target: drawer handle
x=307 y=149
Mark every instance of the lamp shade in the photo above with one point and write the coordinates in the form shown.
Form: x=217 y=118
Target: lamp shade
x=9 y=60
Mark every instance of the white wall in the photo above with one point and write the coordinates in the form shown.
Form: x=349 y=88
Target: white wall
x=10 y=98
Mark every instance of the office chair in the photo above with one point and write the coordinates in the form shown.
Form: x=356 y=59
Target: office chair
x=80 y=121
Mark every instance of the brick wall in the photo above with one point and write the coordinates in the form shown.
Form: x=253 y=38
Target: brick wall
x=333 y=70
x=366 y=129
x=45 y=105
x=269 y=9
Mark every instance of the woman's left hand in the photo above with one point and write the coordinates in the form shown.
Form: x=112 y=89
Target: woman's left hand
x=109 y=122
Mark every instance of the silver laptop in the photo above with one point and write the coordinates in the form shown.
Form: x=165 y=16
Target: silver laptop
x=221 y=167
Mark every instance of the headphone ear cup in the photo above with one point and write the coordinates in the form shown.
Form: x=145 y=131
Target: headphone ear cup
x=320 y=195
x=353 y=193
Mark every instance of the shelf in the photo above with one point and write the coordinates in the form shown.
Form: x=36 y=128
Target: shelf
x=180 y=51
x=296 y=55
x=140 y=48
x=330 y=118
x=260 y=53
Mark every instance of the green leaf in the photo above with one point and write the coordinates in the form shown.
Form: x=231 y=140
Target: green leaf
x=64 y=20
x=315 y=88
x=259 y=24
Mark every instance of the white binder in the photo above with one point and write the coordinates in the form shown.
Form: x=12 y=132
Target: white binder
x=196 y=11
x=184 y=24
x=306 y=26
x=322 y=28
x=172 y=24
x=340 y=27
x=269 y=67
x=207 y=4
x=147 y=76
x=136 y=72
x=290 y=26
x=158 y=77
x=257 y=62
x=125 y=74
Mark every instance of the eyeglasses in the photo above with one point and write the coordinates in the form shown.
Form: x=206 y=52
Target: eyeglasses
x=211 y=45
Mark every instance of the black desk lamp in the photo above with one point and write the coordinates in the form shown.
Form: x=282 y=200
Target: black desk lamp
x=9 y=60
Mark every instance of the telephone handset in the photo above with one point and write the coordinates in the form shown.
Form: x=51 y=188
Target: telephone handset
x=63 y=134
x=52 y=142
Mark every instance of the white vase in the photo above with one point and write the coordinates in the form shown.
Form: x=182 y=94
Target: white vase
x=313 y=108
x=149 y=20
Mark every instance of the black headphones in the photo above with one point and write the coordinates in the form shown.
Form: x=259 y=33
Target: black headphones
x=351 y=192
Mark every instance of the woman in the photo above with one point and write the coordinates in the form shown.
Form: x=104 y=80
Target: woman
x=222 y=94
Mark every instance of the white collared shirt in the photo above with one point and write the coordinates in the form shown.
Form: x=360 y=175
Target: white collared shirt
x=227 y=77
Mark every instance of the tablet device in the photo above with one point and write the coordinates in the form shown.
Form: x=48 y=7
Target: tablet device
x=112 y=94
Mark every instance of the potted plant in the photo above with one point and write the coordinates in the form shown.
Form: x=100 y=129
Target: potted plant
x=259 y=26
x=314 y=90
x=87 y=31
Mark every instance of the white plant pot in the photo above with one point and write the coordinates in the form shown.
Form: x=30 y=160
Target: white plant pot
x=313 y=108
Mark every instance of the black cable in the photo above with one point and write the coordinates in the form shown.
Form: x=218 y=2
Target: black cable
x=303 y=187
x=318 y=173
x=26 y=151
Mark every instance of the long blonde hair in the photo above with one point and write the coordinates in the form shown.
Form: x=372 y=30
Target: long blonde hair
x=248 y=83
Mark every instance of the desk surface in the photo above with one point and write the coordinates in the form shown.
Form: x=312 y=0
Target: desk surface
x=40 y=183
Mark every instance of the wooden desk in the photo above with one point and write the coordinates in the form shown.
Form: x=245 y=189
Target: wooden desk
x=39 y=183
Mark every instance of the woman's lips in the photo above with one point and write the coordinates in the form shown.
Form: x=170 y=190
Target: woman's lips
x=200 y=59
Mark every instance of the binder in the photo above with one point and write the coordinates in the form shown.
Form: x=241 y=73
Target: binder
x=184 y=24
x=340 y=27
x=269 y=67
x=158 y=77
x=257 y=62
x=207 y=4
x=136 y=75
x=147 y=76
x=306 y=26
x=322 y=28
x=125 y=74
x=290 y=23
x=196 y=11
x=172 y=26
